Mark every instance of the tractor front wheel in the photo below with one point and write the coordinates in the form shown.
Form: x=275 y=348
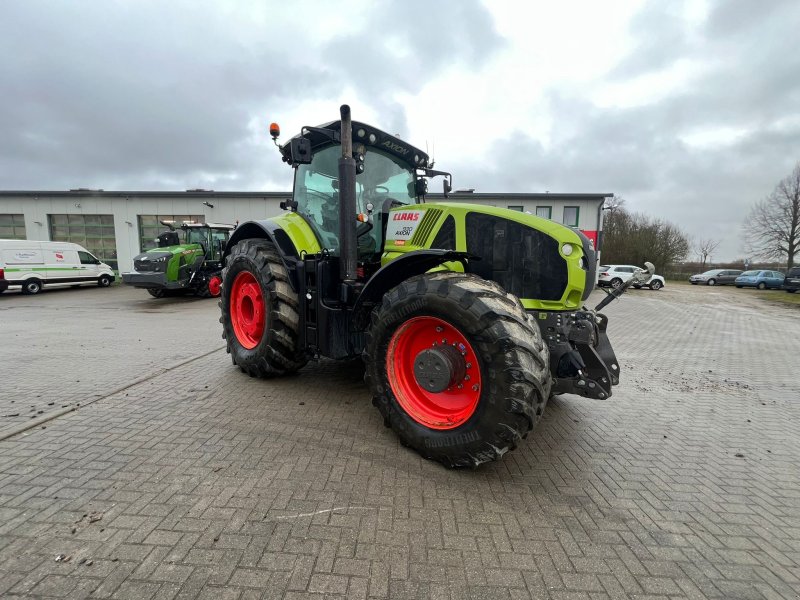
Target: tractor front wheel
x=456 y=367
x=211 y=288
x=259 y=318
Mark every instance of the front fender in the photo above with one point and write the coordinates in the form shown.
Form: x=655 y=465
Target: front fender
x=393 y=273
x=259 y=230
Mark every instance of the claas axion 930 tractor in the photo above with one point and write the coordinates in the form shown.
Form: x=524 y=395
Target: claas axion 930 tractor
x=467 y=317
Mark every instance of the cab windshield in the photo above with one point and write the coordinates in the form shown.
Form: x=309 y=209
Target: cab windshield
x=197 y=235
x=200 y=235
x=316 y=191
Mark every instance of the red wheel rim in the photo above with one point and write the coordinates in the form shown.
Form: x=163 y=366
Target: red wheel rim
x=215 y=285
x=443 y=410
x=248 y=312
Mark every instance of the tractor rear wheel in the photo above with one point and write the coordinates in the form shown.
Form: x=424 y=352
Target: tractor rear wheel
x=456 y=367
x=259 y=311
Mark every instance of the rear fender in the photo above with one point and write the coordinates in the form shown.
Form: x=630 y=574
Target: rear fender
x=393 y=273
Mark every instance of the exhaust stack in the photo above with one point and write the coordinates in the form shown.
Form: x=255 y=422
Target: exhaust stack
x=347 y=203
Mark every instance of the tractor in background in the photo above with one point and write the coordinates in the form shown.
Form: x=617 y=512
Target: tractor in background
x=178 y=267
x=468 y=317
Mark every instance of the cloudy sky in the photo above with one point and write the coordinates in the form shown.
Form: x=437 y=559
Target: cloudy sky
x=689 y=110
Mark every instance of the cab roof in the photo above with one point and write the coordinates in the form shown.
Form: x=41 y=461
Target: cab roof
x=362 y=134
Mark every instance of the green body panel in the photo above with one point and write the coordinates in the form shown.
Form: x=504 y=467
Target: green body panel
x=299 y=232
x=184 y=254
x=426 y=232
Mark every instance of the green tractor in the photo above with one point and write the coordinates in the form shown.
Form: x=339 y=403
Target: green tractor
x=468 y=317
x=175 y=268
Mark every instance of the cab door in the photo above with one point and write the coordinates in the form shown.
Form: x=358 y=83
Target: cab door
x=89 y=267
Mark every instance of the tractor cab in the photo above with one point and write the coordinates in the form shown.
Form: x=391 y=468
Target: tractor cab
x=390 y=173
x=211 y=237
x=385 y=181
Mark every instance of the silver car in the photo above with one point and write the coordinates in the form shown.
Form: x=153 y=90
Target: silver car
x=715 y=277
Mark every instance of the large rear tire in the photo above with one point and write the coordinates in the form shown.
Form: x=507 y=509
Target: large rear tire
x=259 y=318
x=492 y=348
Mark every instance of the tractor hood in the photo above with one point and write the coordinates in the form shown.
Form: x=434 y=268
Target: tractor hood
x=547 y=265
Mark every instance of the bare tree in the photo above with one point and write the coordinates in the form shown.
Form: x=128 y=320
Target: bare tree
x=773 y=227
x=705 y=249
x=614 y=203
x=632 y=238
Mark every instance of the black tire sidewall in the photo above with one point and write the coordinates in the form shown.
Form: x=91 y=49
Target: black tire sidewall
x=37 y=287
x=104 y=281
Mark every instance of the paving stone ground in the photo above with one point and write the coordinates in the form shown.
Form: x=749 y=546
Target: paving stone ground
x=201 y=482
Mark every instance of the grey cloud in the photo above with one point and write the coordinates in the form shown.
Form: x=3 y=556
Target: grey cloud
x=150 y=94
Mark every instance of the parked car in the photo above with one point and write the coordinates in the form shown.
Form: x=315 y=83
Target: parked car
x=791 y=282
x=715 y=277
x=760 y=279
x=32 y=265
x=615 y=275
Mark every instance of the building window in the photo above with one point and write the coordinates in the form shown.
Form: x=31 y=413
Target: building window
x=93 y=232
x=546 y=212
x=150 y=228
x=12 y=227
x=517 y=208
x=571 y=216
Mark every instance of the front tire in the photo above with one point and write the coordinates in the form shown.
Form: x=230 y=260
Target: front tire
x=156 y=292
x=656 y=285
x=711 y=282
x=762 y=286
x=259 y=318
x=104 y=281
x=212 y=288
x=31 y=287
x=496 y=353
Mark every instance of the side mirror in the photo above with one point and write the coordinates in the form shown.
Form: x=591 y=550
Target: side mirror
x=96 y=261
x=301 y=151
x=446 y=187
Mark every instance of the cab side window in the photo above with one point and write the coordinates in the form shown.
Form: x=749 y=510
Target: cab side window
x=86 y=258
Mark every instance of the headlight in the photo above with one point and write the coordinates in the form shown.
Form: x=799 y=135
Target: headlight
x=566 y=249
x=160 y=260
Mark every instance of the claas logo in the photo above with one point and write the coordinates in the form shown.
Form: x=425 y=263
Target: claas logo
x=406 y=216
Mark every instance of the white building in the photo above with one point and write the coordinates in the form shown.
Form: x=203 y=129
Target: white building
x=116 y=226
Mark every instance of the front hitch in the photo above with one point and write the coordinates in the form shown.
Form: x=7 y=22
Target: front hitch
x=640 y=276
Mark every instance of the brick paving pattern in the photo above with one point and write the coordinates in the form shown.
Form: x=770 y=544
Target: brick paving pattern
x=201 y=482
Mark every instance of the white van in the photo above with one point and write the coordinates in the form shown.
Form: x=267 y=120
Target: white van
x=33 y=265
